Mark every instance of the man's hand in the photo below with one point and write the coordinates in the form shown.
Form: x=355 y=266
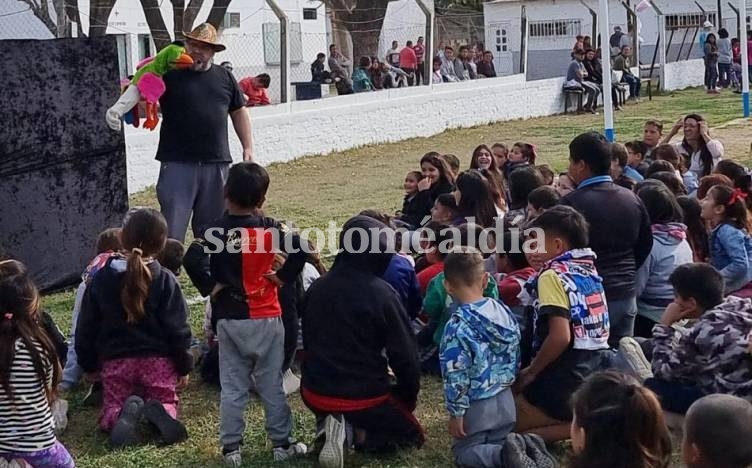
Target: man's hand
x=248 y=154
x=525 y=378
x=457 y=427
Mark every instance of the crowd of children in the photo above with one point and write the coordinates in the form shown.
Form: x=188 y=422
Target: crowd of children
x=629 y=299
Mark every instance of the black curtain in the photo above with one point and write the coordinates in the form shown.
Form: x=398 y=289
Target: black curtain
x=62 y=170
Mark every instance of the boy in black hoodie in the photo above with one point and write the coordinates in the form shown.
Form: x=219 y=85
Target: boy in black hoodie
x=232 y=263
x=350 y=317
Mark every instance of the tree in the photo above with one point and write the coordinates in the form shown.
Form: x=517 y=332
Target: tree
x=45 y=9
x=362 y=19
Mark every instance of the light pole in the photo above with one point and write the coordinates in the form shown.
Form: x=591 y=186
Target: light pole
x=745 y=59
x=608 y=104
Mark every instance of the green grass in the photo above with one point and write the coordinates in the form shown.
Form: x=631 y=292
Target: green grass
x=313 y=190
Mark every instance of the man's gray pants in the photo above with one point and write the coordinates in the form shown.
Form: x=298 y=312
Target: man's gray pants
x=487 y=424
x=186 y=187
x=252 y=348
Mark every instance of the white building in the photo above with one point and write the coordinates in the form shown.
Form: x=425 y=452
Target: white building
x=554 y=24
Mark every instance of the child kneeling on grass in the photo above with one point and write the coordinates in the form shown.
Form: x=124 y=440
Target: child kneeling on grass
x=480 y=357
x=29 y=374
x=133 y=330
x=246 y=312
x=717 y=431
x=618 y=423
x=571 y=323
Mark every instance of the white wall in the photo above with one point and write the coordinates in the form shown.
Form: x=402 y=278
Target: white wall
x=680 y=75
x=287 y=131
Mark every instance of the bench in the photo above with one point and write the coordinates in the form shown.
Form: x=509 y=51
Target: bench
x=306 y=90
x=577 y=93
x=649 y=82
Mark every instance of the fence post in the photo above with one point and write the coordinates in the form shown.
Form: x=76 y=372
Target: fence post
x=284 y=50
x=430 y=17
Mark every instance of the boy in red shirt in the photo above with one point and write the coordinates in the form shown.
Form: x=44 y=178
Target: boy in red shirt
x=254 y=88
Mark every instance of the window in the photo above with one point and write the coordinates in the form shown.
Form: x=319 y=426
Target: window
x=231 y=21
x=555 y=28
x=690 y=20
x=123 y=59
x=272 y=45
x=145 y=48
x=310 y=13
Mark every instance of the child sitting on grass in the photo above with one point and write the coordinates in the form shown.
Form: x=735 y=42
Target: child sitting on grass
x=730 y=244
x=610 y=400
x=571 y=323
x=435 y=235
x=29 y=374
x=717 y=431
x=246 y=312
x=541 y=199
x=409 y=212
x=711 y=354
x=133 y=330
x=445 y=211
x=636 y=151
x=479 y=357
x=652 y=135
x=171 y=257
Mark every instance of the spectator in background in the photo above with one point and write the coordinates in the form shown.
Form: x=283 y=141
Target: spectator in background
x=587 y=43
x=376 y=73
x=436 y=77
x=409 y=62
x=614 y=42
x=472 y=63
x=393 y=55
x=486 y=67
x=622 y=64
x=576 y=79
x=736 y=65
x=338 y=65
x=318 y=72
x=711 y=63
x=579 y=44
x=254 y=88
x=420 y=55
x=594 y=71
x=462 y=65
x=707 y=26
x=725 y=56
x=361 y=78
x=448 y=73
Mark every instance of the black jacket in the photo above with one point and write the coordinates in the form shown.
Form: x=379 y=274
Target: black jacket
x=234 y=269
x=620 y=234
x=103 y=333
x=410 y=214
x=354 y=330
x=423 y=201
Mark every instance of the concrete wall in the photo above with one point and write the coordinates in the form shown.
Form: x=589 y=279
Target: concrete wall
x=680 y=75
x=287 y=131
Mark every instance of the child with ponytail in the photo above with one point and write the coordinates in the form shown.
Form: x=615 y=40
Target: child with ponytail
x=609 y=400
x=133 y=331
x=725 y=211
x=29 y=373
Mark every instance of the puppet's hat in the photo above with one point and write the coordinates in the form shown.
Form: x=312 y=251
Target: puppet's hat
x=207 y=34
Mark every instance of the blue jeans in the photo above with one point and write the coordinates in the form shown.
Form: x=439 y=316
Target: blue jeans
x=724 y=74
x=621 y=315
x=675 y=397
x=634 y=84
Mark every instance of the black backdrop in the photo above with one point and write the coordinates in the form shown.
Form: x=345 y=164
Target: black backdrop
x=62 y=170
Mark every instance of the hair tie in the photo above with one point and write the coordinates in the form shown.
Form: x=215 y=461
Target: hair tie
x=137 y=251
x=8 y=315
x=736 y=195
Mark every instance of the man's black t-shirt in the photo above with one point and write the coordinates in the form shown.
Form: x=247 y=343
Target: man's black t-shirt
x=195 y=107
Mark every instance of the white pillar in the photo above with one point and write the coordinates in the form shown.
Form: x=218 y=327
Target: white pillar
x=428 y=11
x=662 y=51
x=608 y=104
x=745 y=59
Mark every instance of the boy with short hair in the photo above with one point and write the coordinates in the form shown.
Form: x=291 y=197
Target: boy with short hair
x=620 y=169
x=571 y=322
x=171 y=257
x=652 y=134
x=636 y=151
x=717 y=431
x=246 y=312
x=541 y=199
x=254 y=88
x=710 y=355
x=479 y=357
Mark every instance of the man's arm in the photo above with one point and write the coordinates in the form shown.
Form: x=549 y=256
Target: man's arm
x=242 y=124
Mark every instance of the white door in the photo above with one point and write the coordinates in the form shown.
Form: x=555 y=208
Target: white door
x=502 y=47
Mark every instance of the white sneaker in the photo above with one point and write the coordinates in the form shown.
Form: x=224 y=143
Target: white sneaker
x=59 y=410
x=332 y=454
x=294 y=450
x=632 y=353
x=290 y=382
x=233 y=458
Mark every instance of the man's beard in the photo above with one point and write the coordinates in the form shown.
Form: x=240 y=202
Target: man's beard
x=201 y=65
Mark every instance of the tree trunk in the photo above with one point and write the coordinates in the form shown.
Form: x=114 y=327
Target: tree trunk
x=100 y=14
x=191 y=12
x=159 y=33
x=71 y=11
x=364 y=25
x=217 y=13
x=178 y=13
x=63 y=22
x=42 y=11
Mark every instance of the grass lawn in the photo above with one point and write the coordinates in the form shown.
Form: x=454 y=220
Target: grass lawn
x=314 y=190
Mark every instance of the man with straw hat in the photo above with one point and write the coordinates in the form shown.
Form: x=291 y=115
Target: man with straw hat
x=194 y=150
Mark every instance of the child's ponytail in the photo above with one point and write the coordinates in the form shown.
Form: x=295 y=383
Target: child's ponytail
x=135 y=286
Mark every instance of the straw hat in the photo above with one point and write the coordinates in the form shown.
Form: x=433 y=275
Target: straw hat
x=207 y=34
